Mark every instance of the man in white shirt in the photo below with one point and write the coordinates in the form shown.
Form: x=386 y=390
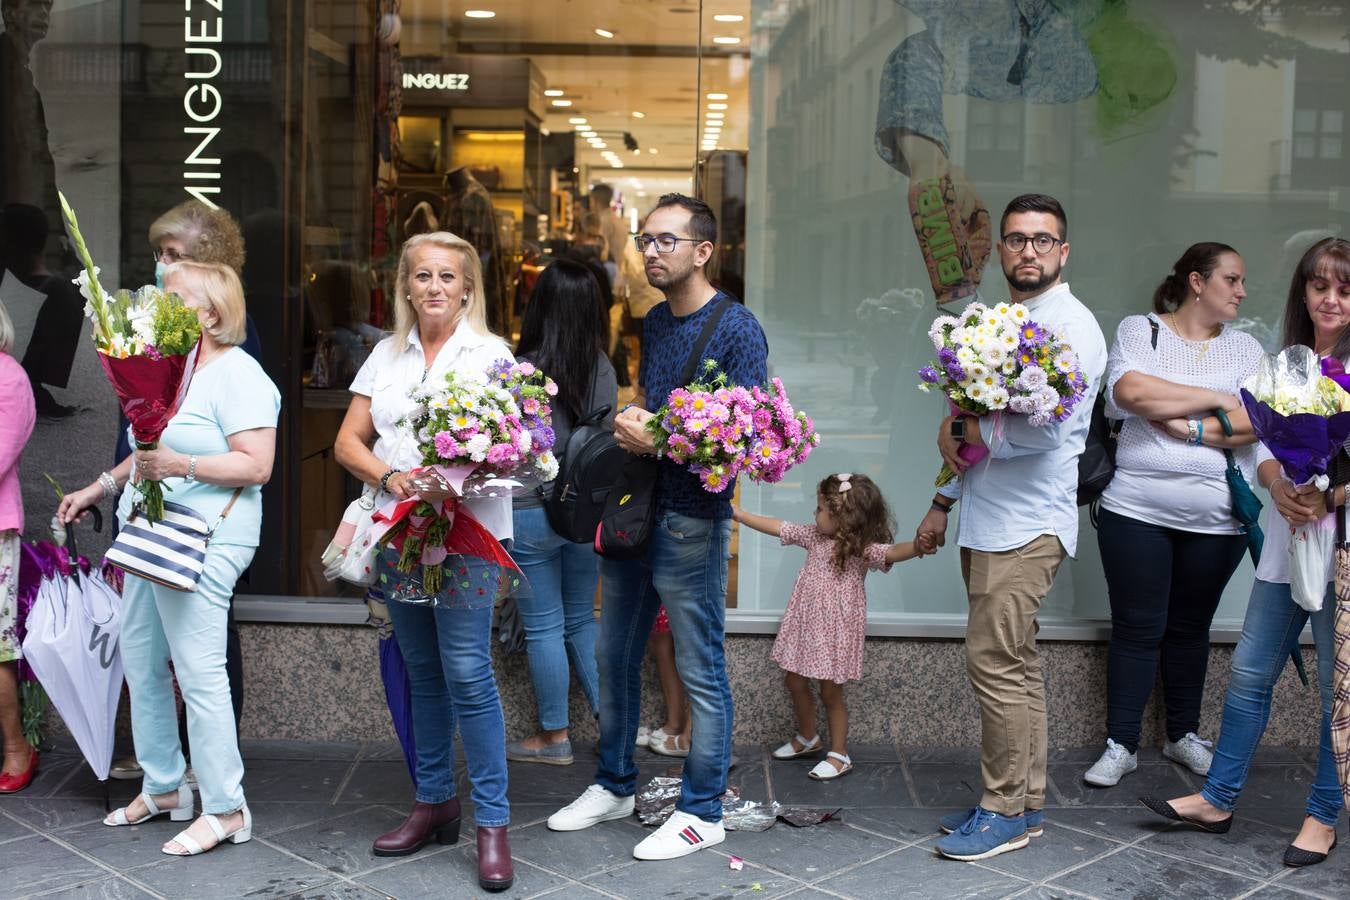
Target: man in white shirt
x=1019 y=519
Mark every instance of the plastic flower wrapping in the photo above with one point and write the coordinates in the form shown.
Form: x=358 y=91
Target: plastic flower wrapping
x=719 y=431
x=997 y=359
x=147 y=343
x=478 y=435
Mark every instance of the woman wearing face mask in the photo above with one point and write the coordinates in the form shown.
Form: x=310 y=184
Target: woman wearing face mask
x=1167 y=555
x=194 y=232
x=215 y=455
x=446 y=639
x=1316 y=315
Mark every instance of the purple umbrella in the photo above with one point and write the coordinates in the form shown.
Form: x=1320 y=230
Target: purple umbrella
x=398 y=694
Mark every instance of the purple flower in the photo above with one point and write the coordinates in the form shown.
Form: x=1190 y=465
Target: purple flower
x=929 y=375
x=955 y=372
x=946 y=356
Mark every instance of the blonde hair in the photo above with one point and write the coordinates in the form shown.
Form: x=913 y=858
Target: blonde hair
x=220 y=287
x=6 y=330
x=210 y=235
x=474 y=313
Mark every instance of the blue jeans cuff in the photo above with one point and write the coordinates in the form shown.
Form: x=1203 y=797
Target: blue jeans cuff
x=433 y=798
x=494 y=824
x=1215 y=801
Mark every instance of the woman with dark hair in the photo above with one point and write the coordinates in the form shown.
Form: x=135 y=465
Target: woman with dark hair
x=563 y=333
x=1316 y=315
x=1168 y=555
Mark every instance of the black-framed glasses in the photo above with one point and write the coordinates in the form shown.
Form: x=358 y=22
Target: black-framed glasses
x=665 y=243
x=170 y=256
x=1042 y=243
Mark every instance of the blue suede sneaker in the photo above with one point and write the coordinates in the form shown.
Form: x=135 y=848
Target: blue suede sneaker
x=983 y=835
x=953 y=821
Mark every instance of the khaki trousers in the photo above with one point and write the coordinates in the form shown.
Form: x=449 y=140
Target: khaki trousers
x=1006 y=590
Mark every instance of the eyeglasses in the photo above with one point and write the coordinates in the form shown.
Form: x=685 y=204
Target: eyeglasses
x=170 y=256
x=1041 y=243
x=665 y=243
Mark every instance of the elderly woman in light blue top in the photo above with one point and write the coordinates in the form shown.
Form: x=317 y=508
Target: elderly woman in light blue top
x=222 y=440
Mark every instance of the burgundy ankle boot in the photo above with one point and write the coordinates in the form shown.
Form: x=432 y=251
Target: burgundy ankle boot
x=494 y=859
x=427 y=821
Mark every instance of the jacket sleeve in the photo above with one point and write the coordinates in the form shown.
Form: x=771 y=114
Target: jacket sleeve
x=18 y=415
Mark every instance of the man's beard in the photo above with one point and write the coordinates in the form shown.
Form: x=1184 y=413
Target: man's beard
x=1027 y=282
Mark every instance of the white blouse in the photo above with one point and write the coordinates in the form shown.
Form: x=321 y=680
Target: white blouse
x=1160 y=479
x=392 y=371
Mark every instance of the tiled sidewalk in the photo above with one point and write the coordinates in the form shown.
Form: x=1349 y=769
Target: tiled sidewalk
x=318 y=806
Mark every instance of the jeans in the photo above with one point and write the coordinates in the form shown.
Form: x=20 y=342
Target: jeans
x=447 y=651
x=1269 y=632
x=159 y=624
x=686 y=568
x=1164 y=585
x=558 y=611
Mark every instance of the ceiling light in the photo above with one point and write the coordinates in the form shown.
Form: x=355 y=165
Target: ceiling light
x=642 y=193
x=479 y=14
x=726 y=40
x=577 y=120
x=554 y=92
x=728 y=17
x=652 y=150
x=639 y=115
x=716 y=115
x=604 y=32
x=599 y=145
x=562 y=104
x=717 y=95
x=590 y=134
x=717 y=106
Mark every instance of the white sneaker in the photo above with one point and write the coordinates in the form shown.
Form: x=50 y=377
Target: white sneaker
x=595 y=805
x=1192 y=752
x=681 y=835
x=1115 y=763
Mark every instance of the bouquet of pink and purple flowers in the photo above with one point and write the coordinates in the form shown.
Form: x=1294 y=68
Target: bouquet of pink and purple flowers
x=720 y=431
x=994 y=359
x=478 y=435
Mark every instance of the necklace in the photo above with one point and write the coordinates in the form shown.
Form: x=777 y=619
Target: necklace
x=1204 y=345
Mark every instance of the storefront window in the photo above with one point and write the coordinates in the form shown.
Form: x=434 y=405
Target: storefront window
x=1154 y=128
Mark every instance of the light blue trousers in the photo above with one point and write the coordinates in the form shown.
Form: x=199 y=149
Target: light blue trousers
x=158 y=625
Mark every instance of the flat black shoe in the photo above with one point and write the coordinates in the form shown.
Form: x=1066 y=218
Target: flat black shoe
x=1164 y=809
x=1297 y=857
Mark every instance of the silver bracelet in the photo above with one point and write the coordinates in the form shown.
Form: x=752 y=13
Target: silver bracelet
x=108 y=483
x=192 y=469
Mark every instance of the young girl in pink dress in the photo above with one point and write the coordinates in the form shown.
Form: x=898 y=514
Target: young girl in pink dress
x=821 y=635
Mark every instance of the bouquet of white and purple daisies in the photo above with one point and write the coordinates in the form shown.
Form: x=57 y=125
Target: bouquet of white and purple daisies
x=995 y=359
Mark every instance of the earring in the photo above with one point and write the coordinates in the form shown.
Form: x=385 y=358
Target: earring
x=409 y=296
x=465 y=301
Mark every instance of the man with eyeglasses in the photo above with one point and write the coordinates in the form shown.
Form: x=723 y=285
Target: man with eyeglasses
x=1019 y=519
x=685 y=564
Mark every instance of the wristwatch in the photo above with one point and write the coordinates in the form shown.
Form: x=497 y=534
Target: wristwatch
x=958 y=430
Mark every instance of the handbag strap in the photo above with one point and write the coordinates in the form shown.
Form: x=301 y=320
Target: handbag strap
x=696 y=354
x=226 y=511
x=1227 y=427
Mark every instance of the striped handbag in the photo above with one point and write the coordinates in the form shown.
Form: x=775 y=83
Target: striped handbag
x=172 y=551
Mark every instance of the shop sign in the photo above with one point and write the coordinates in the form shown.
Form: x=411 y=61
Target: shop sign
x=202 y=101
x=473 y=82
x=458 y=81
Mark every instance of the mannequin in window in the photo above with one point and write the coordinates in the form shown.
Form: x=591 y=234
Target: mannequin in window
x=469 y=214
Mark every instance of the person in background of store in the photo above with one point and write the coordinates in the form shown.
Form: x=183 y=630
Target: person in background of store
x=194 y=232
x=601 y=203
x=50 y=355
x=563 y=334
x=633 y=290
x=1168 y=556
x=440 y=317
x=685 y=564
x=214 y=457
x=1317 y=315
x=17 y=415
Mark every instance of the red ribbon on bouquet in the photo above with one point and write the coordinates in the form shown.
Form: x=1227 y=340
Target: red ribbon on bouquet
x=466 y=535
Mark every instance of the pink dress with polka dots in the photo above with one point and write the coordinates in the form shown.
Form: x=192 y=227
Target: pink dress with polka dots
x=821 y=635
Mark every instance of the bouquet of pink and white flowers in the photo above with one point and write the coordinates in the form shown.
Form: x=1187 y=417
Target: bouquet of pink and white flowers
x=720 y=431
x=997 y=359
x=478 y=435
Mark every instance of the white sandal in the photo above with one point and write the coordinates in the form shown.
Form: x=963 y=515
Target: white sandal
x=826 y=770
x=809 y=748
x=676 y=745
x=188 y=843
x=179 y=812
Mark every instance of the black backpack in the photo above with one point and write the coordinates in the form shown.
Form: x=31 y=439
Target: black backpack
x=586 y=467
x=1097 y=465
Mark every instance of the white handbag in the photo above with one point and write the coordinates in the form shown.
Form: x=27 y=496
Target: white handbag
x=350 y=556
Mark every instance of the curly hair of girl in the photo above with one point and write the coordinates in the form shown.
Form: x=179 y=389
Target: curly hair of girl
x=861 y=514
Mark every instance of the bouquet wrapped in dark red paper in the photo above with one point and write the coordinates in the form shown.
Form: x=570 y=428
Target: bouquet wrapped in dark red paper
x=147 y=344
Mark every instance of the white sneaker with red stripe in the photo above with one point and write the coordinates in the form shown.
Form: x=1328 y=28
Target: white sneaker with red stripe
x=681 y=835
